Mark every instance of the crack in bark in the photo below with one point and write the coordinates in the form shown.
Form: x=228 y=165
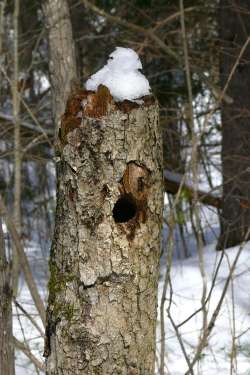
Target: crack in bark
x=111 y=278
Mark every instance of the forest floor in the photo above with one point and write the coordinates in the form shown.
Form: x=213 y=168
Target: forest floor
x=228 y=347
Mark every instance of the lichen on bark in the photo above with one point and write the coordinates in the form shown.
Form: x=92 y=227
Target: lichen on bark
x=104 y=262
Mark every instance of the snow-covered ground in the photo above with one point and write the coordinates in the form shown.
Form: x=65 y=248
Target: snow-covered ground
x=228 y=349
x=24 y=330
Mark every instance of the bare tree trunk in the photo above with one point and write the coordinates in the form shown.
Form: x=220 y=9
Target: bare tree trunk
x=105 y=254
x=234 y=22
x=7 y=363
x=62 y=54
x=17 y=147
x=2 y=8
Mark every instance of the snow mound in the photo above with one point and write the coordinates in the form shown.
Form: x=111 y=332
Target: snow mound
x=121 y=76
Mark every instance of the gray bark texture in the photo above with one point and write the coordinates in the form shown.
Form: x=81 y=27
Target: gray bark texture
x=63 y=71
x=104 y=264
x=234 y=21
x=7 y=363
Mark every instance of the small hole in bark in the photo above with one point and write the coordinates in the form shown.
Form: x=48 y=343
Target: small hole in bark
x=124 y=209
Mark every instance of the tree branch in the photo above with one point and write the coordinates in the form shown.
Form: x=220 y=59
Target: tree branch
x=28 y=316
x=27 y=125
x=163 y=46
x=149 y=32
x=26 y=350
x=24 y=262
x=172 y=183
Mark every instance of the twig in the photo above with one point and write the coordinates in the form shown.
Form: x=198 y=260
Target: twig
x=132 y=26
x=28 y=316
x=27 y=125
x=33 y=143
x=222 y=95
x=150 y=33
x=218 y=307
x=194 y=165
x=169 y=248
x=171 y=18
x=26 y=350
x=24 y=262
x=28 y=109
x=172 y=183
x=233 y=353
x=209 y=294
x=177 y=331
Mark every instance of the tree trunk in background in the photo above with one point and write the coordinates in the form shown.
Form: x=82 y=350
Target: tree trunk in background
x=62 y=58
x=17 y=146
x=7 y=363
x=7 y=352
x=172 y=159
x=234 y=21
x=105 y=253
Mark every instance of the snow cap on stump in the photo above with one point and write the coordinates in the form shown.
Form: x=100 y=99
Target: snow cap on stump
x=121 y=76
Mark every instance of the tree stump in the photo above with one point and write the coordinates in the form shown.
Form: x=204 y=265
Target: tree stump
x=104 y=263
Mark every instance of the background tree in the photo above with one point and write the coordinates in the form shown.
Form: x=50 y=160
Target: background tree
x=7 y=357
x=235 y=80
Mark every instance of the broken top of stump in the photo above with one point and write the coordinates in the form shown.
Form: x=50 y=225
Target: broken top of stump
x=89 y=104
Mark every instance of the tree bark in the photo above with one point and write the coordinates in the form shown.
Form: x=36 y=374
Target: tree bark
x=104 y=261
x=234 y=21
x=17 y=147
x=7 y=353
x=62 y=65
x=7 y=363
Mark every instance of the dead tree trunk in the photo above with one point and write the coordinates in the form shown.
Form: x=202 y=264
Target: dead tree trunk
x=7 y=363
x=105 y=255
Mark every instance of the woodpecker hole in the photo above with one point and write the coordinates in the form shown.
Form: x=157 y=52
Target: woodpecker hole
x=124 y=209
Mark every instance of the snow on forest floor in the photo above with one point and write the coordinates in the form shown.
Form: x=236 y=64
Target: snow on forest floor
x=22 y=327
x=231 y=327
